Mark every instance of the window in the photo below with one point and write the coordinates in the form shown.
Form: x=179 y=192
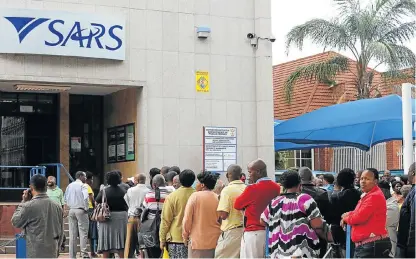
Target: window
x=294 y=158
x=24 y=103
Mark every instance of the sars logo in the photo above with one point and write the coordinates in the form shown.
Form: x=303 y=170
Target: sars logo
x=85 y=35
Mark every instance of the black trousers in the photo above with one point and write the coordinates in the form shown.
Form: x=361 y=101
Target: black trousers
x=377 y=249
x=405 y=252
x=324 y=245
x=154 y=252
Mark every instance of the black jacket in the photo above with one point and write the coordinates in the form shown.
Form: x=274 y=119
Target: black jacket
x=341 y=202
x=320 y=196
x=406 y=233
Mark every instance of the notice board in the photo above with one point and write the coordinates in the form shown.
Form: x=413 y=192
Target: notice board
x=120 y=144
x=220 y=148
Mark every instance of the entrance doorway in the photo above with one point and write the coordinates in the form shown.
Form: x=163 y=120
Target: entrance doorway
x=86 y=135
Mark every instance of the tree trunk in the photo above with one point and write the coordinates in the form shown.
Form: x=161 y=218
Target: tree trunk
x=362 y=83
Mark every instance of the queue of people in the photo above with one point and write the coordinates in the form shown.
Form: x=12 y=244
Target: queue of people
x=197 y=216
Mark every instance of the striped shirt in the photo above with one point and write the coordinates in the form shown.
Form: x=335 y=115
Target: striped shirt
x=288 y=217
x=150 y=202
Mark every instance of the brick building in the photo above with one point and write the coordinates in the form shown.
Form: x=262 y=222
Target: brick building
x=308 y=96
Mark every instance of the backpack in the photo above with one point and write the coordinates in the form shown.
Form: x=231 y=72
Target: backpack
x=148 y=234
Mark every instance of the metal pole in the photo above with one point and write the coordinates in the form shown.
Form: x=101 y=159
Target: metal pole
x=58 y=175
x=266 y=252
x=407 y=126
x=348 y=248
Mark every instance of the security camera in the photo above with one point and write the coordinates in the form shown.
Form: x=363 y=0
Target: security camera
x=272 y=39
x=251 y=36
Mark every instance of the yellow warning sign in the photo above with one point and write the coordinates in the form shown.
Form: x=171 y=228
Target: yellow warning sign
x=202 y=81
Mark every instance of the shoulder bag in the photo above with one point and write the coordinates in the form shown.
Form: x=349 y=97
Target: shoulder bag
x=101 y=211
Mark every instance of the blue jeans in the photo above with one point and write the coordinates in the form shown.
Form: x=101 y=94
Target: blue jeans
x=376 y=249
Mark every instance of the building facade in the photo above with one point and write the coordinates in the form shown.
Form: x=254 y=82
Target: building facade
x=308 y=96
x=112 y=84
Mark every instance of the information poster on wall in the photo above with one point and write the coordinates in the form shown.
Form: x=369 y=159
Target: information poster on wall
x=220 y=148
x=111 y=146
x=121 y=144
x=130 y=156
x=75 y=144
x=202 y=81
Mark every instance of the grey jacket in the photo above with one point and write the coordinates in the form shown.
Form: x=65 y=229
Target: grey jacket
x=42 y=222
x=392 y=222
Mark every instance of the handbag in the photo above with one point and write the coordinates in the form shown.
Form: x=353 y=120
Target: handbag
x=101 y=211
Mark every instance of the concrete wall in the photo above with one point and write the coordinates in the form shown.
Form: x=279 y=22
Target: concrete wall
x=172 y=113
x=120 y=108
x=163 y=54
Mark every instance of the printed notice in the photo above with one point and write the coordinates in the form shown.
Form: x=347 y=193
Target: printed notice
x=220 y=148
x=76 y=144
x=121 y=150
x=112 y=151
x=130 y=141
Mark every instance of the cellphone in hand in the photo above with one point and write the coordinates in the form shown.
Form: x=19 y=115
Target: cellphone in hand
x=29 y=193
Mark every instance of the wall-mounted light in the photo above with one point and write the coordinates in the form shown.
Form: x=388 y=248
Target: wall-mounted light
x=45 y=88
x=203 y=32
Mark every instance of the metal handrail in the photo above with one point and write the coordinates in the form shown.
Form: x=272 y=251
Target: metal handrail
x=39 y=169
x=58 y=172
x=22 y=166
x=42 y=168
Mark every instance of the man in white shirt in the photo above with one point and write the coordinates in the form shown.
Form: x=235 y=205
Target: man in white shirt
x=134 y=199
x=76 y=200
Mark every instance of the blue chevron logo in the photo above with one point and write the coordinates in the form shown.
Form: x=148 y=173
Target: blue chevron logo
x=24 y=25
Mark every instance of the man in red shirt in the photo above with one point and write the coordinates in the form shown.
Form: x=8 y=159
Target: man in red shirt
x=253 y=201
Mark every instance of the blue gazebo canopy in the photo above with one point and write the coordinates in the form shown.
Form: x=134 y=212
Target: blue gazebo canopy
x=362 y=124
x=283 y=146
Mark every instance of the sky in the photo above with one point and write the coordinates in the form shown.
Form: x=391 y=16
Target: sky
x=286 y=14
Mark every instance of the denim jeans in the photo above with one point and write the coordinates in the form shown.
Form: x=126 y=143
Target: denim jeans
x=376 y=249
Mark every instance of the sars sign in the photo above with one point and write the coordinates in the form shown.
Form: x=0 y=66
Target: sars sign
x=58 y=33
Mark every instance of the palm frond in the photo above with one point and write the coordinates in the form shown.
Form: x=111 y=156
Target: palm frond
x=380 y=5
x=323 y=72
x=322 y=32
x=397 y=75
x=347 y=6
x=393 y=55
x=392 y=17
x=393 y=11
x=400 y=34
x=376 y=32
x=391 y=77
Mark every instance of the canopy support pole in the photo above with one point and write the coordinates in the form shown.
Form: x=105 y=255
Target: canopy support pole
x=371 y=146
x=407 y=126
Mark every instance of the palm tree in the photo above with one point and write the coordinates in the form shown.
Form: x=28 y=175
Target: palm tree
x=375 y=33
